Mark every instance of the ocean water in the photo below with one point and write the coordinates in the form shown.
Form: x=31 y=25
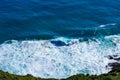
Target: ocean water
x=58 y=38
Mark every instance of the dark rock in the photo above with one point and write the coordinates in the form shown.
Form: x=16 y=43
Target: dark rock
x=114 y=57
x=110 y=57
x=117 y=58
x=114 y=65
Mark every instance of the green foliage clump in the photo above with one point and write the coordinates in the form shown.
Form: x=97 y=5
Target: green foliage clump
x=8 y=76
x=112 y=75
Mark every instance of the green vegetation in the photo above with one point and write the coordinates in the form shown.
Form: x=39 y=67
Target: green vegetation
x=8 y=76
x=112 y=75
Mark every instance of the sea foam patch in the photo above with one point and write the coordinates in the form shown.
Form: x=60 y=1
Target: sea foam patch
x=111 y=24
x=43 y=58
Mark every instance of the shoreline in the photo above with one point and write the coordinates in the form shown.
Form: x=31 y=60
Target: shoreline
x=112 y=75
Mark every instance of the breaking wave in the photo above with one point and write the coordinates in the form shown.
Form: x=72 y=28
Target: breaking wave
x=60 y=57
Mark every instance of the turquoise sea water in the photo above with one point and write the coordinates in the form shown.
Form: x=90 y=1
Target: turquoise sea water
x=58 y=38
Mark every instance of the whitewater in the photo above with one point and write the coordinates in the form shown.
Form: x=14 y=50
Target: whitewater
x=60 y=57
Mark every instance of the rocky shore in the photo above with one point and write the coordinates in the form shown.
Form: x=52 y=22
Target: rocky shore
x=115 y=64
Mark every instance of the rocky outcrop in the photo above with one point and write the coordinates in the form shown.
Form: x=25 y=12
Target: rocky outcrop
x=115 y=64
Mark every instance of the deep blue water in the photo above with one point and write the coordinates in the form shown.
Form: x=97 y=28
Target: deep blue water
x=58 y=38
x=44 y=19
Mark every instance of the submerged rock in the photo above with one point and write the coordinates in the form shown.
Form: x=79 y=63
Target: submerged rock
x=61 y=43
x=58 y=43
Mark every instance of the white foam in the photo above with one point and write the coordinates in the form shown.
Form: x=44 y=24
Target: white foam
x=43 y=59
x=111 y=24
